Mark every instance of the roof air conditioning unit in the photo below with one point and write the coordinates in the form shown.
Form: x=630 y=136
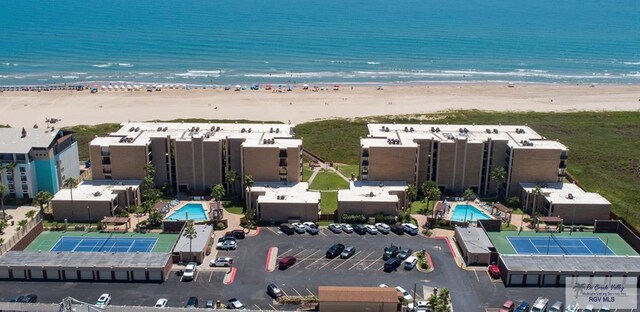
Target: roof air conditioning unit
x=495 y=130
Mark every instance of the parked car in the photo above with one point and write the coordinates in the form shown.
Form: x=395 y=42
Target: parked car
x=192 y=303
x=508 y=306
x=335 y=228
x=523 y=307
x=410 y=263
x=405 y=294
x=588 y=308
x=348 y=252
x=347 y=228
x=226 y=238
x=286 y=262
x=405 y=253
x=235 y=304
x=161 y=303
x=360 y=229
x=274 y=292
x=494 y=271
x=312 y=228
x=190 y=271
x=334 y=251
x=221 y=262
x=104 y=300
x=286 y=229
x=392 y=264
x=383 y=286
x=605 y=308
x=557 y=306
x=239 y=234
x=226 y=245
x=209 y=305
x=299 y=228
x=390 y=252
x=397 y=228
x=422 y=306
x=383 y=228
x=31 y=298
x=16 y=298
x=572 y=307
x=371 y=229
x=540 y=305
x=410 y=228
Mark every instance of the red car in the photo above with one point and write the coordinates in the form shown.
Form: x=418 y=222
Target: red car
x=286 y=262
x=508 y=306
x=494 y=271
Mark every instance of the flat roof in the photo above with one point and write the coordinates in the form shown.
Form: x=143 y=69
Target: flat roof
x=285 y=192
x=140 y=133
x=475 y=239
x=372 y=191
x=516 y=136
x=572 y=264
x=357 y=294
x=28 y=259
x=198 y=243
x=12 y=142
x=566 y=193
x=96 y=190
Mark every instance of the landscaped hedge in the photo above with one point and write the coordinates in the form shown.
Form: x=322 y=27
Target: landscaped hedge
x=353 y=218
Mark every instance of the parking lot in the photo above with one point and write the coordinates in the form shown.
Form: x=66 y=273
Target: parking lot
x=471 y=290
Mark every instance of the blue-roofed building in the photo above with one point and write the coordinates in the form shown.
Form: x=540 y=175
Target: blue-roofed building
x=36 y=160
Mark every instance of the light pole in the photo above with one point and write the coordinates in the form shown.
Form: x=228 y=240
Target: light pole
x=89 y=213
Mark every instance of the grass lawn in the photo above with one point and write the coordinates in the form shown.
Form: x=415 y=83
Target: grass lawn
x=508 y=227
x=306 y=172
x=233 y=204
x=418 y=206
x=328 y=202
x=234 y=210
x=603 y=154
x=348 y=170
x=327 y=180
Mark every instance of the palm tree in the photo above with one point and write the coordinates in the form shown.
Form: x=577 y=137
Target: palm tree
x=431 y=192
x=468 y=194
x=70 y=183
x=30 y=214
x=3 y=225
x=217 y=192
x=537 y=191
x=498 y=176
x=231 y=177
x=190 y=233
x=2 y=190
x=412 y=192
x=42 y=198
x=22 y=224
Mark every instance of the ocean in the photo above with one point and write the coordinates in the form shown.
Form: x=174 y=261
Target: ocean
x=223 y=42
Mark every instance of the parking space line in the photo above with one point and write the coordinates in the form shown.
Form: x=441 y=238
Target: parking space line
x=195 y=279
x=282 y=289
x=303 y=250
x=345 y=261
x=310 y=292
x=309 y=256
x=372 y=263
x=210 y=275
x=257 y=307
x=323 y=233
x=274 y=308
x=324 y=265
x=296 y=292
x=284 y=253
x=381 y=268
x=274 y=232
x=476 y=273
x=312 y=263
x=361 y=260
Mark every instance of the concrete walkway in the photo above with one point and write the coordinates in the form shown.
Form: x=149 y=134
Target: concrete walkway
x=17 y=214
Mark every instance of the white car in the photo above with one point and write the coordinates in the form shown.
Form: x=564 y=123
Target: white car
x=335 y=228
x=347 y=228
x=312 y=228
x=226 y=245
x=190 y=271
x=410 y=228
x=383 y=228
x=422 y=306
x=161 y=303
x=383 y=286
x=299 y=228
x=235 y=304
x=371 y=229
x=104 y=300
x=221 y=262
x=405 y=294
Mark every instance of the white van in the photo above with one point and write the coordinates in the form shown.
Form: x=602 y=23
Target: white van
x=221 y=262
x=410 y=263
x=410 y=228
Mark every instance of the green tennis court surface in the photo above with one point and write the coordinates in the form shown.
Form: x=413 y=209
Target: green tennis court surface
x=611 y=242
x=47 y=240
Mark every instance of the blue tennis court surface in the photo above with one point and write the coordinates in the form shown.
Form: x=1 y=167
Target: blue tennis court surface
x=553 y=245
x=104 y=244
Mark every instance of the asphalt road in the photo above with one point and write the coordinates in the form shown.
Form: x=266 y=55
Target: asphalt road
x=471 y=290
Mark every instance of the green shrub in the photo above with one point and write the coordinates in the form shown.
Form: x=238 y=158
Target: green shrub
x=353 y=218
x=526 y=220
x=381 y=218
x=220 y=226
x=243 y=221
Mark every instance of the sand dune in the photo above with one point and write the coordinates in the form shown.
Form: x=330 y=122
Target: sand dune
x=73 y=108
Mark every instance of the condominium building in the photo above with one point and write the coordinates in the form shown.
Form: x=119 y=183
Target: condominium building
x=457 y=157
x=190 y=157
x=36 y=160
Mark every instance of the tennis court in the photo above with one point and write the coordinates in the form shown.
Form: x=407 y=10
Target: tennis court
x=101 y=244
x=553 y=245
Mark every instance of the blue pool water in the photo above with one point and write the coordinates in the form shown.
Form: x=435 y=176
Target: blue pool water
x=468 y=213
x=355 y=41
x=193 y=211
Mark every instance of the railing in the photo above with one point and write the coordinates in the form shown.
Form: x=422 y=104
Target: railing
x=19 y=234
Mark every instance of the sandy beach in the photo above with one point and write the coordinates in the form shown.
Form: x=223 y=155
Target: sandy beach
x=24 y=109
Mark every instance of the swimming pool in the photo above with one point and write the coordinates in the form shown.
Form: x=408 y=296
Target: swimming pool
x=190 y=211
x=470 y=213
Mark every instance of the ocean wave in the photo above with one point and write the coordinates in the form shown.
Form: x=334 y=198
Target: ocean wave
x=10 y=64
x=125 y=65
x=631 y=63
x=144 y=74
x=105 y=65
x=200 y=73
x=70 y=77
x=373 y=63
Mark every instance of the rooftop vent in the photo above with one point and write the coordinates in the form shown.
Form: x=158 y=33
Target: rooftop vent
x=159 y=129
x=96 y=194
x=406 y=129
x=460 y=130
x=24 y=133
x=569 y=196
x=271 y=130
x=411 y=129
x=197 y=129
x=249 y=130
x=165 y=129
x=137 y=129
x=132 y=129
x=488 y=130
x=495 y=131
x=438 y=129
x=243 y=130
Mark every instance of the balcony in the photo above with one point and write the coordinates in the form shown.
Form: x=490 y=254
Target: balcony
x=283 y=162
x=105 y=154
x=365 y=163
x=283 y=153
x=564 y=155
x=106 y=161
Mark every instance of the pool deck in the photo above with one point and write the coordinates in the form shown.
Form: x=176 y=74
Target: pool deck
x=449 y=214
